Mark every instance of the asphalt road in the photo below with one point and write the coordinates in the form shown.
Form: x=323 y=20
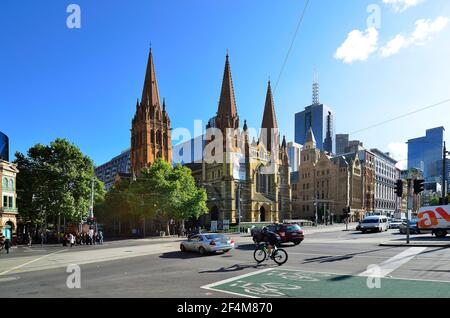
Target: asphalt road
x=152 y=268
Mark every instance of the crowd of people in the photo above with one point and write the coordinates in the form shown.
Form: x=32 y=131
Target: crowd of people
x=87 y=238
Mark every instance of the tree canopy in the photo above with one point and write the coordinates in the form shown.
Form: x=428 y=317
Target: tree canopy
x=161 y=191
x=55 y=180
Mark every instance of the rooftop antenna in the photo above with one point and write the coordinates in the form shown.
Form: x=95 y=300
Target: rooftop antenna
x=315 y=96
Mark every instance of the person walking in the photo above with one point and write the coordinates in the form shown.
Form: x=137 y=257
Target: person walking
x=29 y=239
x=72 y=239
x=100 y=237
x=42 y=238
x=7 y=245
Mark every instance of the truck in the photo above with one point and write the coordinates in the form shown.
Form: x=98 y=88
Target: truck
x=435 y=220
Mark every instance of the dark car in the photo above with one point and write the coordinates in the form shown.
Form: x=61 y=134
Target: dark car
x=288 y=233
x=413 y=228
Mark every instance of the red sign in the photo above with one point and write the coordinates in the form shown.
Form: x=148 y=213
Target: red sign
x=434 y=217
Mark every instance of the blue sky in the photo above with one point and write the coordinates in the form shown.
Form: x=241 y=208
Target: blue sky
x=82 y=84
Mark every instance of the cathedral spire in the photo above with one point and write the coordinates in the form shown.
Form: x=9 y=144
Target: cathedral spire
x=269 y=122
x=227 y=116
x=150 y=92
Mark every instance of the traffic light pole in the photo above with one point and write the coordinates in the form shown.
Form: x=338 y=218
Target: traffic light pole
x=444 y=176
x=238 y=203
x=410 y=208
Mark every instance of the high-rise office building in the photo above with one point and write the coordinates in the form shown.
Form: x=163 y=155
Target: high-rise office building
x=425 y=153
x=341 y=143
x=386 y=175
x=4 y=147
x=294 y=150
x=321 y=119
x=108 y=171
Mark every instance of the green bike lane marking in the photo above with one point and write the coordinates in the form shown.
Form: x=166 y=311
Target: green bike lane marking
x=292 y=283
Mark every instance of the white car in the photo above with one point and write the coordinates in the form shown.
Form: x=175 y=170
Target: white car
x=207 y=243
x=377 y=223
x=395 y=223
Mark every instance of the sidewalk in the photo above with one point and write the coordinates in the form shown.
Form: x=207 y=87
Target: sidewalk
x=329 y=228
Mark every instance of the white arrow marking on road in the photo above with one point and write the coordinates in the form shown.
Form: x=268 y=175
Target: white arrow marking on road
x=395 y=262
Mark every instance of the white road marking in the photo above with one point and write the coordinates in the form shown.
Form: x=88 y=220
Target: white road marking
x=232 y=279
x=8 y=279
x=395 y=262
x=27 y=263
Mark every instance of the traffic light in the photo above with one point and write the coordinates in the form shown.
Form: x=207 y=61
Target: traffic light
x=419 y=186
x=399 y=188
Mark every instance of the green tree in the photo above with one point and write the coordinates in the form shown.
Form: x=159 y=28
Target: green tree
x=167 y=192
x=55 y=182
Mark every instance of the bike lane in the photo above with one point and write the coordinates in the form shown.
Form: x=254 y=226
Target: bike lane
x=293 y=283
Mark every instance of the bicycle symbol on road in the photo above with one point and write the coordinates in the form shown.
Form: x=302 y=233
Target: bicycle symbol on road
x=298 y=276
x=266 y=289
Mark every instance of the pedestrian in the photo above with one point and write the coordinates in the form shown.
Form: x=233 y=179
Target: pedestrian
x=72 y=239
x=100 y=237
x=65 y=239
x=8 y=245
x=29 y=239
x=42 y=238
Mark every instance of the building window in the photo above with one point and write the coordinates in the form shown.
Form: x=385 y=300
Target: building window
x=10 y=202
x=5 y=201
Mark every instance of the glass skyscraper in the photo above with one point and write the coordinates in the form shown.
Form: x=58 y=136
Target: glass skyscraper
x=4 y=147
x=425 y=153
x=322 y=120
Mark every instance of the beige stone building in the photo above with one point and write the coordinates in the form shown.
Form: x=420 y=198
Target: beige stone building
x=8 y=209
x=327 y=185
x=254 y=174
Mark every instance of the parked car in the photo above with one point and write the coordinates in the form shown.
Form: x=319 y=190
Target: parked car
x=377 y=223
x=395 y=223
x=207 y=243
x=413 y=228
x=287 y=232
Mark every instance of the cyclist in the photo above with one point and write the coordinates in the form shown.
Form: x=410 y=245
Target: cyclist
x=271 y=239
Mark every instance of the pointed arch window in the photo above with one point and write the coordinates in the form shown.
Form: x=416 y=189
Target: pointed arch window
x=152 y=136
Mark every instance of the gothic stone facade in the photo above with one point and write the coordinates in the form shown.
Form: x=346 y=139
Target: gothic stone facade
x=150 y=129
x=265 y=192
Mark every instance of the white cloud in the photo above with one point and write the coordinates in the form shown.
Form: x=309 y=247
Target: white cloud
x=425 y=29
x=399 y=151
x=358 y=46
x=402 y=5
x=394 y=46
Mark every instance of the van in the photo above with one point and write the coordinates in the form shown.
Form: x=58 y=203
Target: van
x=435 y=220
x=376 y=223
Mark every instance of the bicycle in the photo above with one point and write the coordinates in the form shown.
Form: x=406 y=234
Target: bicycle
x=279 y=255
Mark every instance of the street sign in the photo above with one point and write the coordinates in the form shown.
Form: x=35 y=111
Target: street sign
x=226 y=225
